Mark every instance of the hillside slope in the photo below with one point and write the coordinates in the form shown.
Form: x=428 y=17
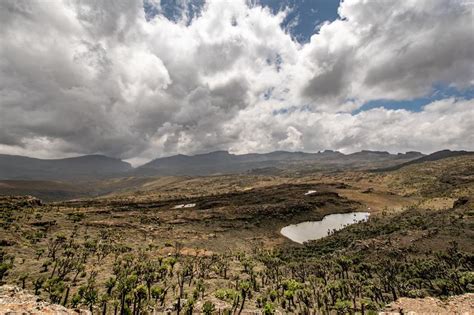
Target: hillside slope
x=448 y=177
x=439 y=155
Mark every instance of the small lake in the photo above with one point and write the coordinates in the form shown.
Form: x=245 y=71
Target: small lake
x=313 y=230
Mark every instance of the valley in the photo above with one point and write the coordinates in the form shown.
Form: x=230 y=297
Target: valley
x=212 y=244
x=97 y=175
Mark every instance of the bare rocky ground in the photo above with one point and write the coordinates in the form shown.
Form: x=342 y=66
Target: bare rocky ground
x=462 y=304
x=14 y=300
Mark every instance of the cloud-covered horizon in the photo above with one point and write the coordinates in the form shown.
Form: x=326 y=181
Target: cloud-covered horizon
x=84 y=77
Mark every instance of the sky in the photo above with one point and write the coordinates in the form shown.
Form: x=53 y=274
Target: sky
x=141 y=79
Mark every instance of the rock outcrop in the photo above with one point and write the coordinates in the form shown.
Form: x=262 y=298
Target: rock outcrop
x=14 y=300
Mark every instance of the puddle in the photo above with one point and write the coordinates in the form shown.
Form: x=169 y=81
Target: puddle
x=313 y=230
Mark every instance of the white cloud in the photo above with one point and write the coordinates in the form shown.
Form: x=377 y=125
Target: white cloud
x=392 y=50
x=292 y=140
x=441 y=124
x=79 y=77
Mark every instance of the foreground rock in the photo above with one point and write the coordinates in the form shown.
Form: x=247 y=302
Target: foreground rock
x=461 y=304
x=14 y=300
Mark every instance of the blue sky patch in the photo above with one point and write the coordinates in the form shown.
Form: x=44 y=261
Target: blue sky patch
x=173 y=9
x=302 y=22
x=416 y=105
x=305 y=15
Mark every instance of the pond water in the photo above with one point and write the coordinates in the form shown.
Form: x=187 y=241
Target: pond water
x=313 y=230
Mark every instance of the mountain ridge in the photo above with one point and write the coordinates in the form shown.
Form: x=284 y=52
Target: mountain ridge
x=17 y=167
x=81 y=167
x=223 y=162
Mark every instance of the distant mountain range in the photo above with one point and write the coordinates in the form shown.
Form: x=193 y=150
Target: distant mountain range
x=82 y=167
x=219 y=162
x=222 y=162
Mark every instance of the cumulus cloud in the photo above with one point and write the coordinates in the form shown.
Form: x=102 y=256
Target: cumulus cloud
x=81 y=77
x=391 y=50
x=441 y=124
